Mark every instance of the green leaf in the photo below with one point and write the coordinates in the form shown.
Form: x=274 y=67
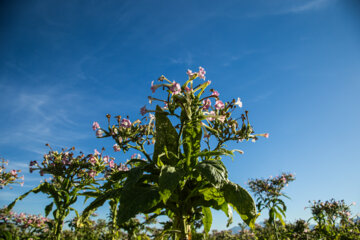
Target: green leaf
x=278 y=216
x=214 y=171
x=48 y=209
x=213 y=193
x=136 y=200
x=166 y=136
x=242 y=202
x=169 y=179
x=226 y=208
x=100 y=200
x=191 y=136
x=207 y=219
x=134 y=175
x=44 y=188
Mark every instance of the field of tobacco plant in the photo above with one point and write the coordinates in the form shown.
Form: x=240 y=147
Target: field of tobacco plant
x=176 y=171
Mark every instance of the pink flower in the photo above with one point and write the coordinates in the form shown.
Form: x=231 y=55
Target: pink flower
x=215 y=93
x=239 y=103
x=143 y=110
x=154 y=87
x=206 y=104
x=13 y=172
x=202 y=73
x=266 y=135
x=190 y=73
x=187 y=89
x=106 y=159
x=99 y=133
x=96 y=152
x=219 y=105
x=175 y=88
x=116 y=148
x=92 y=160
x=22 y=184
x=111 y=164
x=125 y=123
x=95 y=126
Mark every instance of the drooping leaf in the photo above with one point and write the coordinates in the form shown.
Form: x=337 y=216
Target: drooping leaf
x=242 y=202
x=214 y=171
x=166 y=136
x=214 y=194
x=207 y=219
x=48 y=209
x=227 y=210
x=137 y=199
x=44 y=188
x=100 y=200
x=169 y=179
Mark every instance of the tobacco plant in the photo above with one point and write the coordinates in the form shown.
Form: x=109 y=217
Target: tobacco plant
x=11 y=177
x=268 y=193
x=180 y=177
x=69 y=175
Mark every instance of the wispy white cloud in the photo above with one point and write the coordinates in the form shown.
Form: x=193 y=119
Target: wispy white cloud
x=291 y=7
x=307 y=6
x=187 y=59
x=39 y=116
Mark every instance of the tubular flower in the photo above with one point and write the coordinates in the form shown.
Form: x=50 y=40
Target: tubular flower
x=219 y=105
x=154 y=87
x=116 y=148
x=111 y=164
x=215 y=93
x=238 y=103
x=125 y=123
x=190 y=73
x=99 y=133
x=95 y=126
x=206 y=104
x=106 y=159
x=143 y=110
x=175 y=88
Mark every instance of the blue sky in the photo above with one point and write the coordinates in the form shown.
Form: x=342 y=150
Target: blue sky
x=295 y=65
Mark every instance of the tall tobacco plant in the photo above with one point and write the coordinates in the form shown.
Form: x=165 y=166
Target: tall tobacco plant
x=183 y=175
x=70 y=174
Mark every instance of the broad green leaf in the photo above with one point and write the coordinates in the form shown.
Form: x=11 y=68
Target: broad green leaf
x=48 y=209
x=207 y=219
x=213 y=193
x=242 y=202
x=169 y=179
x=214 y=171
x=166 y=136
x=133 y=177
x=137 y=199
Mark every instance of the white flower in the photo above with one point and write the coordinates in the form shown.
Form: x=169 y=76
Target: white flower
x=239 y=103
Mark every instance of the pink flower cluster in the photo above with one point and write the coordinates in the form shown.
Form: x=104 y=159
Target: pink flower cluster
x=24 y=220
